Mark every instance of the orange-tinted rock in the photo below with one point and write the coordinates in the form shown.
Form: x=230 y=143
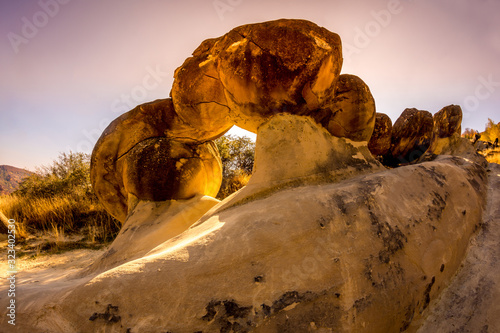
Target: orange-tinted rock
x=149 y=120
x=353 y=109
x=411 y=137
x=448 y=121
x=256 y=71
x=160 y=169
x=380 y=142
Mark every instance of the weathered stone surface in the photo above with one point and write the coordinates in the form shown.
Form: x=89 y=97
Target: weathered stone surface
x=470 y=303
x=256 y=71
x=380 y=141
x=353 y=109
x=411 y=137
x=160 y=169
x=355 y=255
x=149 y=120
x=446 y=135
x=447 y=121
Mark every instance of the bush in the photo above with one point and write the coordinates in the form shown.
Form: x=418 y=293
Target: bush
x=60 y=198
x=237 y=155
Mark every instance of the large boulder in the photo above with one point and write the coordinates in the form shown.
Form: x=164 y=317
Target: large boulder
x=380 y=141
x=353 y=109
x=447 y=121
x=160 y=169
x=128 y=134
x=256 y=71
x=411 y=137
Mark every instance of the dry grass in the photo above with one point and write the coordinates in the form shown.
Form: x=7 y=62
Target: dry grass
x=64 y=214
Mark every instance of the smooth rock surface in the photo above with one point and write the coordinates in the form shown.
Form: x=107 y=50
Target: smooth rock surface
x=364 y=254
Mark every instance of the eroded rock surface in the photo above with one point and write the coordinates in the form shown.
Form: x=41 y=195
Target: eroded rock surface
x=353 y=109
x=323 y=238
x=411 y=137
x=338 y=255
x=141 y=153
x=256 y=71
x=380 y=141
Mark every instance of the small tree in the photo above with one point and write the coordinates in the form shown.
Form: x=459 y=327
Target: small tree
x=69 y=174
x=237 y=155
x=470 y=133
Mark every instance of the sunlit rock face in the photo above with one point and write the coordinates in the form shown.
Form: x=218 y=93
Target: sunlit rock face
x=324 y=238
x=151 y=154
x=256 y=71
x=348 y=246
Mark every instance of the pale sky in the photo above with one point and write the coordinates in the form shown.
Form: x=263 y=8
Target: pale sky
x=69 y=67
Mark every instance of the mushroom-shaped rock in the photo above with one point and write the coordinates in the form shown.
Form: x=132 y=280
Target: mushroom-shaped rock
x=380 y=142
x=411 y=137
x=151 y=120
x=353 y=109
x=256 y=71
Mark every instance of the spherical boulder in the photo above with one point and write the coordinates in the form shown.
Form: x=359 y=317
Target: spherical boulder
x=256 y=71
x=156 y=119
x=159 y=169
x=447 y=121
x=411 y=137
x=353 y=109
x=380 y=142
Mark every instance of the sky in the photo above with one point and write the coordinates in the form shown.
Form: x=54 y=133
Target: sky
x=69 y=67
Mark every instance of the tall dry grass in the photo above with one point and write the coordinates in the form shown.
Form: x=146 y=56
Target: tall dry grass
x=66 y=213
x=59 y=200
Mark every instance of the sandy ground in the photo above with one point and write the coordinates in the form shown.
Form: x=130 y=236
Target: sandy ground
x=47 y=269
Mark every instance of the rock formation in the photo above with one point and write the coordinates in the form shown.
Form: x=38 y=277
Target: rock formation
x=411 y=137
x=380 y=141
x=256 y=71
x=323 y=238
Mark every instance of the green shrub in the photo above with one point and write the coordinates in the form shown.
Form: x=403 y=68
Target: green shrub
x=237 y=155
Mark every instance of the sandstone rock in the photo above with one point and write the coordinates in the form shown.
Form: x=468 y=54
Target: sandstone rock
x=446 y=136
x=160 y=169
x=353 y=109
x=380 y=141
x=470 y=303
x=256 y=71
x=149 y=120
x=447 y=121
x=355 y=255
x=411 y=137
x=316 y=157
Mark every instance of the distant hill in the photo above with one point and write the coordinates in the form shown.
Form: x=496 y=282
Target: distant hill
x=10 y=177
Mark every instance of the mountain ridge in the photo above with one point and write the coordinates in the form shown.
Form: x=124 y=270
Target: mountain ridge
x=10 y=178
